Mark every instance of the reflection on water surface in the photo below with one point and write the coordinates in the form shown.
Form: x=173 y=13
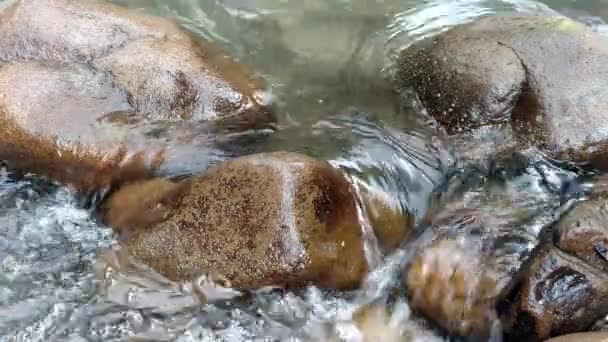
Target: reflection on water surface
x=328 y=63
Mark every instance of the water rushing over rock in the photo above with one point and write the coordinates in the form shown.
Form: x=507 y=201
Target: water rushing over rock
x=63 y=276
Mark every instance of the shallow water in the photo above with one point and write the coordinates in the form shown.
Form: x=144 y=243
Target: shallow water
x=63 y=279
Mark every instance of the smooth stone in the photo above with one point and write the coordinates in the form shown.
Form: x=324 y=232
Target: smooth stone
x=556 y=294
x=459 y=83
x=374 y=324
x=450 y=283
x=582 y=232
x=69 y=123
x=85 y=82
x=267 y=219
x=477 y=69
x=392 y=224
x=165 y=71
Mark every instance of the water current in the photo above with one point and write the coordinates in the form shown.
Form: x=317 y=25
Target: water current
x=63 y=278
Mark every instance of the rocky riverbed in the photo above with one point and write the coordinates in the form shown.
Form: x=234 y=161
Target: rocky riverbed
x=310 y=171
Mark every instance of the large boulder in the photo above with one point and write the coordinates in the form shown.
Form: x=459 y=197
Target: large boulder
x=165 y=72
x=60 y=121
x=265 y=219
x=83 y=84
x=544 y=75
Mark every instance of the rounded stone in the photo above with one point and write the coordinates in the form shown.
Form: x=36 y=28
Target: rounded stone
x=544 y=75
x=165 y=71
x=463 y=81
x=391 y=222
x=279 y=218
x=582 y=232
x=449 y=283
x=84 y=83
x=64 y=122
x=556 y=294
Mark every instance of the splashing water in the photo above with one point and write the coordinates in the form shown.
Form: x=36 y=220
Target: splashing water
x=63 y=277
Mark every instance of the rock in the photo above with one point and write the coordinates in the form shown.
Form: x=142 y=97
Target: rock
x=266 y=219
x=599 y=336
x=60 y=121
x=558 y=294
x=549 y=70
x=84 y=84
x=449 y=282
x=165 y=72
x=464 y=83
x=392 y=224
x=582 y=232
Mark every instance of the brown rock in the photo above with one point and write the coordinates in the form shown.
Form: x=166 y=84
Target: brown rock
x=449 y=282
x=391 y=222
x=582 y=232
x=558 y=294
x=165 y=73
x=463 y=82
x=266 y=219
x=599 y=336
x=550 y=70
x=60 y=121
x=374 y=323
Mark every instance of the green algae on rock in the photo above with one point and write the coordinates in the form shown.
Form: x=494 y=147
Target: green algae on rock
x=165 y=71
x=268 y=219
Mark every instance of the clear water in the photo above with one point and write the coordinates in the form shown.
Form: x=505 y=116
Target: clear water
x=62 y=277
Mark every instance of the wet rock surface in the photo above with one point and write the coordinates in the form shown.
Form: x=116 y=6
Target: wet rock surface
x=558 y=294
x=81 y=82
x=47 y=130
x=165 y=71
x=449 y=282
x=463 y=82
x=546 y=72
x=563 y=288
x=267 y=219
x=583 y=233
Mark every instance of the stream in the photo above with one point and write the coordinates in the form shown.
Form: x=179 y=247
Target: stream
x=328 y=62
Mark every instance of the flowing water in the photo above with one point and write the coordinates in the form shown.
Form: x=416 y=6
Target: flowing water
x=63 y=278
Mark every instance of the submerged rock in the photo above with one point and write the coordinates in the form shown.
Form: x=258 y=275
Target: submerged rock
x=81 y=81
x=392 y=224
x=449 y=282
x=546 y=72
x=266 y=219
x=453 y=278
x=60 y=121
